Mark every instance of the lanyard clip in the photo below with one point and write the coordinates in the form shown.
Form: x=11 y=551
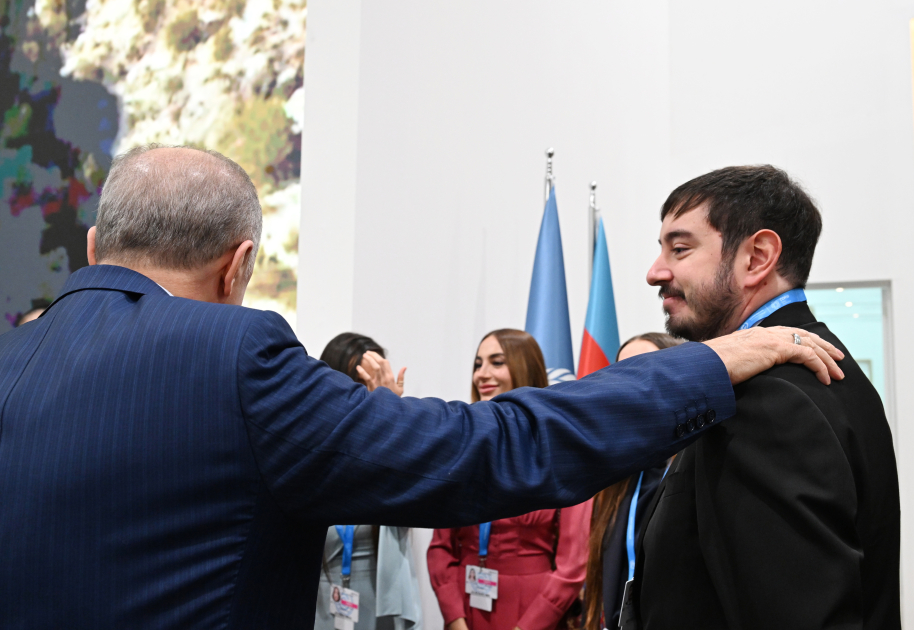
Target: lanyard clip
x=346 y=581
x=482 y=561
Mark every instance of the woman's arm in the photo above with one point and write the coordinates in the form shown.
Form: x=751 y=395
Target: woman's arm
x=446 y=576
x=564 y=584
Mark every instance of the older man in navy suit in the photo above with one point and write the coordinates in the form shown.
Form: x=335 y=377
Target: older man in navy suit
x=170 y=459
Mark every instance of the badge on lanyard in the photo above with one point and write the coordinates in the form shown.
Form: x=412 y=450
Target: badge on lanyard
x=482 y=583
x=344 y=606
x=482 y=586
x=344 y=602
x=627 y=618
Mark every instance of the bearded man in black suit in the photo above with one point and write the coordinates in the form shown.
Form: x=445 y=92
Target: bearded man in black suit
x=788 y=518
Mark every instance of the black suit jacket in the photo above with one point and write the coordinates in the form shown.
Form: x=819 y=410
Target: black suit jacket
x=785 y=517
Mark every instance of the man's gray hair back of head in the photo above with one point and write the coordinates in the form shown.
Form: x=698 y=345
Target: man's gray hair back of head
x=177 y=213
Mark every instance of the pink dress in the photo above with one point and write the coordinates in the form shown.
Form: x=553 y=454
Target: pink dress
x=531 y=596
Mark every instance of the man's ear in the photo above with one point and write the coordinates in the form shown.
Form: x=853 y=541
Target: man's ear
x=764 y=252
x=236 y=268
x=90 y=245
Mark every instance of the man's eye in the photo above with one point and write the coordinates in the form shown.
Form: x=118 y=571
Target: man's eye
x=679 y=250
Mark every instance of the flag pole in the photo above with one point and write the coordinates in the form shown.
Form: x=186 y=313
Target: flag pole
x=594 y=223
x=550 y=179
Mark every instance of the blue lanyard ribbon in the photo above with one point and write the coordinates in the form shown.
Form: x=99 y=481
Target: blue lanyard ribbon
x=484 y=530
x=347 y=534
x=794 y=295
x=630 y=534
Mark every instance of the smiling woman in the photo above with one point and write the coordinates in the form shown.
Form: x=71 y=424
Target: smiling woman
x=507 y=358
x=539 y=558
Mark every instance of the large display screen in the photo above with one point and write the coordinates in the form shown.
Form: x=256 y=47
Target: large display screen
x=82 y=80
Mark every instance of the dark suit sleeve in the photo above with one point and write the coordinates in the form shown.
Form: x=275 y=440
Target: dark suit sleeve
x=330 y=452
x=776 y=505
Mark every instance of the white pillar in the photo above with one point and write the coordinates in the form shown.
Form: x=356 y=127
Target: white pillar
x=329 y=139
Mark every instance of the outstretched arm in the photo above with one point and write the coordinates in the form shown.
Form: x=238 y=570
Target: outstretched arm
x=331 y=452
x=446 y=576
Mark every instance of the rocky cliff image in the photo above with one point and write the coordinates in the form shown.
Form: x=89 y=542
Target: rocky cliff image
x=81 y=81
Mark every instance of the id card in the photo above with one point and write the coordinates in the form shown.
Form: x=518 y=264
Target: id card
x=627 y=618
x=344 y=606
x=482 y=586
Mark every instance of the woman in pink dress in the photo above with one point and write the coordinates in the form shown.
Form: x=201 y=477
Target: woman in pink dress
x=540 y=557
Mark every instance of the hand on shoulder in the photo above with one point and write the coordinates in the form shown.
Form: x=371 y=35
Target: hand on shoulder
x=746 y=353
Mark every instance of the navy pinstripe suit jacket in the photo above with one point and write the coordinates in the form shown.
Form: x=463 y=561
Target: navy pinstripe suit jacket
x=166 y=463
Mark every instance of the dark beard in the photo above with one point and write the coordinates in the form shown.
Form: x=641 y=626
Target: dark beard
x=713 y=305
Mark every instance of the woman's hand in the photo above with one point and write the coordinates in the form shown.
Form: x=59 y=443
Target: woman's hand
x=375 y=372
x=458 y=624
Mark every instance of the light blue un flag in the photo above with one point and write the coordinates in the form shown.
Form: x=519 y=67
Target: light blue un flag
x=547 y=308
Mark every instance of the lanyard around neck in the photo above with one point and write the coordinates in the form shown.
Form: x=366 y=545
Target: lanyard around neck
x=630 y=534
x=347 y=535
x=769 y=307
x=485 y=529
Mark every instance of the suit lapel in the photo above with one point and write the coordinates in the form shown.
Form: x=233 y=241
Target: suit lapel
x=649 y=513
x=709 y=537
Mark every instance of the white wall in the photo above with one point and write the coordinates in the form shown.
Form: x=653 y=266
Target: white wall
x=326 y=244
x=823 y=90
x=423 y=157
x=456 y=104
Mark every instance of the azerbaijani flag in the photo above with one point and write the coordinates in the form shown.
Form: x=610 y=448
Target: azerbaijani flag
x=601 y=329
x=547 y=307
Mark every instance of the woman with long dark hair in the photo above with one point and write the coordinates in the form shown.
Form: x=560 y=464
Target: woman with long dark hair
x=608 y=567
x=379 y=569
x=540 y=556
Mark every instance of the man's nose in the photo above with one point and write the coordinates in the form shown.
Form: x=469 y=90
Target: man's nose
x=659 y=273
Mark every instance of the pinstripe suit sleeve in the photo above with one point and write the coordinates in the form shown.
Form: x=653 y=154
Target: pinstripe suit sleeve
x=330 y=452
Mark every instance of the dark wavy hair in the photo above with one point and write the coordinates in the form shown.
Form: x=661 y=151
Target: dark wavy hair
x=345 y=351
x=741 y=200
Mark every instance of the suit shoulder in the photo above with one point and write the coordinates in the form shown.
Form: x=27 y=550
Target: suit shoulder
x=778 y=413
x=772 y=394
x=222 y=325
x=240 y=316
x=790 y=400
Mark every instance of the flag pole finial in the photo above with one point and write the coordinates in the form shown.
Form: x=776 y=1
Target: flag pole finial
x=594 y=223
x=594 y=210
x=550 y=178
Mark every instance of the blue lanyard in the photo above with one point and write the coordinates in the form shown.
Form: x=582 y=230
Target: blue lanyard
x=630 y=534
x=484 y=530
x=347 y=534
x=794 y=295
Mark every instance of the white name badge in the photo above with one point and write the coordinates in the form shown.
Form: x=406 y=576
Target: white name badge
x=482 y=586
x=344 y=606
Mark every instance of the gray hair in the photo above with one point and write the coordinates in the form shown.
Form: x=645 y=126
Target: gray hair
x=177 y=214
